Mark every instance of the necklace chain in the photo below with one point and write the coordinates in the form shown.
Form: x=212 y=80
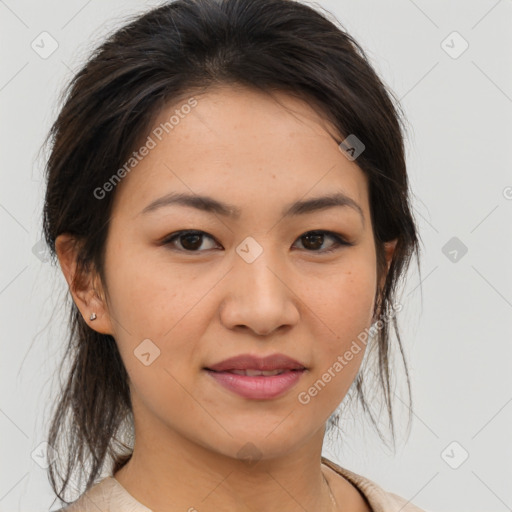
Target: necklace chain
x=333 y=501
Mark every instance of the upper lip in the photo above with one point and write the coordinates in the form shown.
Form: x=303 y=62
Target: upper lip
x=251 y=362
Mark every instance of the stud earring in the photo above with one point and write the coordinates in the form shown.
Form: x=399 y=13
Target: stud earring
x=93 y=316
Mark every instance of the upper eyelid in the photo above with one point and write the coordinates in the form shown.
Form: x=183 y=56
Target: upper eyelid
x=338 y=237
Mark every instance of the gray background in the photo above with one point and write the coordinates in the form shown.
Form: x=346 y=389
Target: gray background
x=455 y=328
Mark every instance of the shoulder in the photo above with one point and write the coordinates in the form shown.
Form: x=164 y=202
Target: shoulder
x=96 y=499
x=379 y=499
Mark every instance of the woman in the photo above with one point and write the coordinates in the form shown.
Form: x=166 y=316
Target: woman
x=227 y=198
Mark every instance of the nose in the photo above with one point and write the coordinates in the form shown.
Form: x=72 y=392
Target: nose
x=259 y=296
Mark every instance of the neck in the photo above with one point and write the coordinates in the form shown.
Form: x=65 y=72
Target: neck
x=186 y=476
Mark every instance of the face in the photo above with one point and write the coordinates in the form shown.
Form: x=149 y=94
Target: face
x=251 y=278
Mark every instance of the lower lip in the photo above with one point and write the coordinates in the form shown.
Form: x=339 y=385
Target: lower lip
x=258 y=387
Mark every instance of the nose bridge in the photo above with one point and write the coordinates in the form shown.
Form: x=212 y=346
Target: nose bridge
x=259 y=277
x=262 y=277
x=258 y=296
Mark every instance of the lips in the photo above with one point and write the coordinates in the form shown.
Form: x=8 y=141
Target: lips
x=248 y=364
x=257 y=373
x=257 y=378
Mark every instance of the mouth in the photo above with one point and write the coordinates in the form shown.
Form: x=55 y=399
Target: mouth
x=258 y=378
x=257 y=373
x=255 y=384
x=252 y=363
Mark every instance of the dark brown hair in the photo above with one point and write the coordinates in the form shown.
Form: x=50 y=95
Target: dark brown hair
x=155 y=59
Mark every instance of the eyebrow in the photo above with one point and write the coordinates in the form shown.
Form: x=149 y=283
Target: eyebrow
x=209 y=204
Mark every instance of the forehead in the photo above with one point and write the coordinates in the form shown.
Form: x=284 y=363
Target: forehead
x=240 y=145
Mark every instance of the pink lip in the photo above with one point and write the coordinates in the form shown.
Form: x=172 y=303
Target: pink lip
x=250 y=362
x=258 y=387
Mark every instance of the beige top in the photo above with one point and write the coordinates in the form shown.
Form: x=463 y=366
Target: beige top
x=108 y=495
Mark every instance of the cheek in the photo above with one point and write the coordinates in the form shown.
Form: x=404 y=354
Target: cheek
x=167 y=308
x=341 y=310
x=150 y=297
x=343 y=300
x=351 y=305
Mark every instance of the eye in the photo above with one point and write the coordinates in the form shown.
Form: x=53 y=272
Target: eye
x=190 y=241
x=315 y=239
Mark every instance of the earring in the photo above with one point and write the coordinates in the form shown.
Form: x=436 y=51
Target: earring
x=93 y=316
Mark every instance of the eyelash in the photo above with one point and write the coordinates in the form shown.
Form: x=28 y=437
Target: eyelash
x=339 y=240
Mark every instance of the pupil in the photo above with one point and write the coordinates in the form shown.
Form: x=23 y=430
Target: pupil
x=194 y=245
x=317 y=240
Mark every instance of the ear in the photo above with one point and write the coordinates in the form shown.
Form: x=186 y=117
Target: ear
x=389 y=251
x=85 y=288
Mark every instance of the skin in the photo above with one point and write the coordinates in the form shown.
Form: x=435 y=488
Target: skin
x=242 y=147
